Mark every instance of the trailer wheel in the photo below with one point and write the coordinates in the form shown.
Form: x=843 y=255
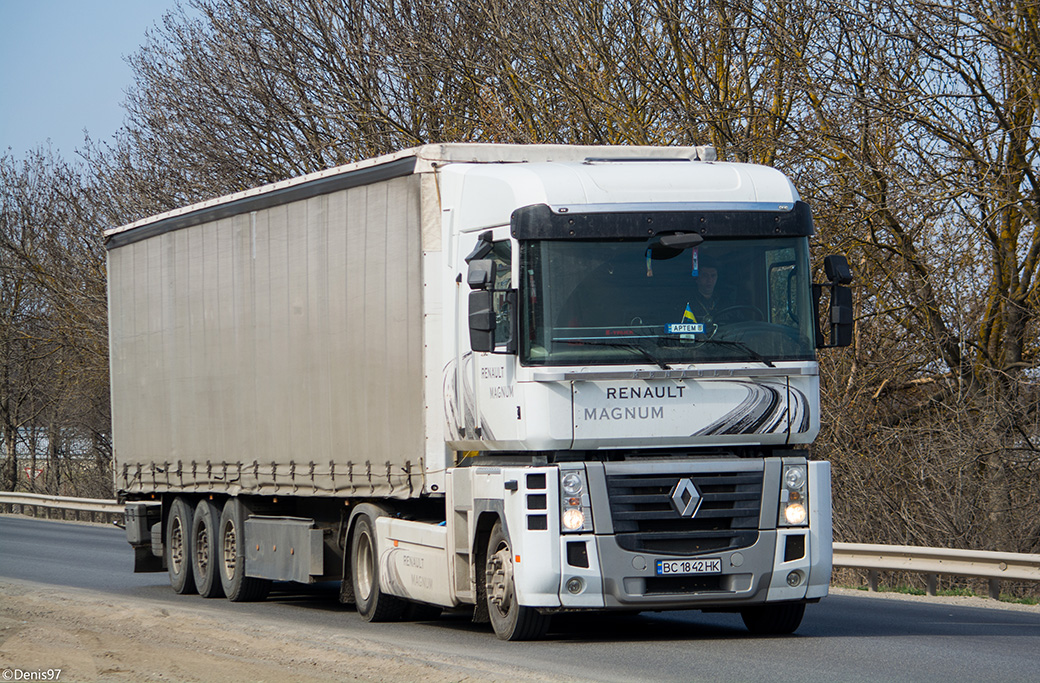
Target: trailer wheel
x=179 y=547
x=231 y=557
x=372 y=603
x=773 y=620
x=510 y=620
x=204 y=554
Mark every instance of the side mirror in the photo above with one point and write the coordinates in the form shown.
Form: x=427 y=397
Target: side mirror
x=484 y=245
x=481 y=274
x=840 y=320
x=841 y=316
x=836 y=267
x=492 y=323
x=481 y=321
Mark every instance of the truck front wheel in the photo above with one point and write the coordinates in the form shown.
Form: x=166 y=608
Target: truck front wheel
x=773 y=620
x=179 y=548
x=372 y=603
x=510 y=620
x=231 y=554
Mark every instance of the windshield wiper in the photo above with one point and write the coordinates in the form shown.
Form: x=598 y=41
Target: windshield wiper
x=740 y=345
x=620 y=345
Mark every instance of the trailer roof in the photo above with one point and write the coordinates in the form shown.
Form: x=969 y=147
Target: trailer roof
x=405 y=162
x=423 y=159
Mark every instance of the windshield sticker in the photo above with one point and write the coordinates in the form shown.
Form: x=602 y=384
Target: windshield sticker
x=696 y=261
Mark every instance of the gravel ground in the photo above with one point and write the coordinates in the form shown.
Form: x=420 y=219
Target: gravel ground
x=93 y=637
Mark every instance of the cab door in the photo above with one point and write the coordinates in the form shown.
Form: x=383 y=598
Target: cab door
x=486 y=381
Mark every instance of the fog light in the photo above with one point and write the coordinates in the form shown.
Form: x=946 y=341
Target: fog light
x=573 y=519
x=794 y=578
x=795 y=513
x=575 y=585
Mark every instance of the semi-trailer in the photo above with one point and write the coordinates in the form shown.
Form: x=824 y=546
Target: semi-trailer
x=524 y=379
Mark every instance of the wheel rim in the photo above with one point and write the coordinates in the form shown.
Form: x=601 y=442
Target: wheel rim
x=177 y=545
x=500 y=580
x=230 y=550
x=202 y=549
x=365 y=566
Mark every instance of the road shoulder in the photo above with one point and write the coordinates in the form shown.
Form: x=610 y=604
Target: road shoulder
x=100 y=637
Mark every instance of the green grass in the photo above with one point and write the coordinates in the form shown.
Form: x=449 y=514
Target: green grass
x=960 y=593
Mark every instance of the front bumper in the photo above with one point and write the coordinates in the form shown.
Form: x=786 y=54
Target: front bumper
x=783 y=564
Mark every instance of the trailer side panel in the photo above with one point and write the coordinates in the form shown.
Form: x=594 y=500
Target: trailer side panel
x=274 y=352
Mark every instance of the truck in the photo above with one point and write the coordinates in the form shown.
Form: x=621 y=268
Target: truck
x=518 y=379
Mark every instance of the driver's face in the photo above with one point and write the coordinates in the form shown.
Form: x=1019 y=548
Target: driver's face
x=706 y=281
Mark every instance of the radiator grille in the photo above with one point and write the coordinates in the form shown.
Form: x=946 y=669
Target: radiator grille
x=645 y=519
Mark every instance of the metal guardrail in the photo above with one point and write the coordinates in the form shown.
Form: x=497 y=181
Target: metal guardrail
x=982 y=564
x=108 y=508
x=994 y=566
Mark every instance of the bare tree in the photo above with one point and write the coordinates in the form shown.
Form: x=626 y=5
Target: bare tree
x=53 y=373
x=911 y=128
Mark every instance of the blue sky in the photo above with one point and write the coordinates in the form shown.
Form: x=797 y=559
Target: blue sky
x=62 y=68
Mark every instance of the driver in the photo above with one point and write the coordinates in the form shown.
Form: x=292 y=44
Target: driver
x=704 y=302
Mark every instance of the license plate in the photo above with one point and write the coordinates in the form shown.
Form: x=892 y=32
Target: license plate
x=685 y=328
x=703 y=565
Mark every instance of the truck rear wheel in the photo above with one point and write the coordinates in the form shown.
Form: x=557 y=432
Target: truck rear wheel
x=204 y=554
x=774 y=620
x=179 y=547
x=510 y=620
x=231 y=557
x=372 y=603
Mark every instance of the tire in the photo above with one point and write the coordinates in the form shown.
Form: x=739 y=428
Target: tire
x=774 y=620
x=372 y=603
x=204 y=554
x=231 y=557
x=510 y=620
x=179 y=547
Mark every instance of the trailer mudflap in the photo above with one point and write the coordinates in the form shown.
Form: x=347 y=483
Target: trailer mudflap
x=140 y=519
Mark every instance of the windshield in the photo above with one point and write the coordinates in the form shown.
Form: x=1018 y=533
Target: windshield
x=618 y=302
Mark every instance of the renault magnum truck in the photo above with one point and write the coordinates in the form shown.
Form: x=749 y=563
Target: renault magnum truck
x=525 y=379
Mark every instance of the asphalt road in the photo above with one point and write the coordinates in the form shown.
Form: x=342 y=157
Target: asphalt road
x=843 y=638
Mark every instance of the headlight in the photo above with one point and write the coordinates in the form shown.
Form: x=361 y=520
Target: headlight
x=794 y=498
x=575 y=509
x=573 y=519
x=795 y=514
x=572 y=484
x=794 y=478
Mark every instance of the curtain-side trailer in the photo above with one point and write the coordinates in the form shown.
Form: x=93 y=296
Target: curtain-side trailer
x=527 y=379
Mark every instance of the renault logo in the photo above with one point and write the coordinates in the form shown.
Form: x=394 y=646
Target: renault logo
x=686 y=498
